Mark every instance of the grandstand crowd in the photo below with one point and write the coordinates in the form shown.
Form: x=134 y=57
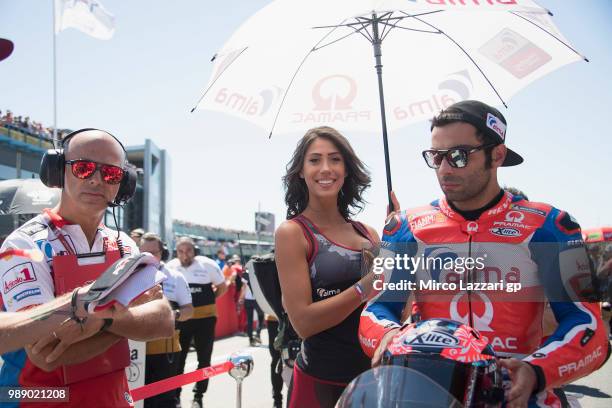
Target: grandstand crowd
x=28 y=126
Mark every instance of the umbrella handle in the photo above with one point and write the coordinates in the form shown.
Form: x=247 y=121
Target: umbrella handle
x=376 y=43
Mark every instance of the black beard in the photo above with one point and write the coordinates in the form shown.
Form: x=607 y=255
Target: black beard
x=470 y=190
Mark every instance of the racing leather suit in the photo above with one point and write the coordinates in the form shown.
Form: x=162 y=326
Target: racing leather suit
x=522 y=241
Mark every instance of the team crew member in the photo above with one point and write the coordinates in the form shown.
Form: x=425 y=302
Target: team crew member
x=318 y=255
x=206 y=284
x=525 y=241
x=163 y=354
x=89 y=357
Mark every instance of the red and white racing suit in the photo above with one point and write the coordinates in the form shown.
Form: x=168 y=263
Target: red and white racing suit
x=515 y=241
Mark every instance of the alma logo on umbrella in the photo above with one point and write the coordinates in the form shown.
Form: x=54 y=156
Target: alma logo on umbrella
x=458 y=82
x=255 y=104
x=515 y=53
x=456 y=87
x=248 y=104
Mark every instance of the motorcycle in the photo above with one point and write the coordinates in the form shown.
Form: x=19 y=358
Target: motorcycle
x=431 y=363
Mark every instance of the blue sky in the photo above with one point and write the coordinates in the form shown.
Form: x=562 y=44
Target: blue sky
x=144 y=81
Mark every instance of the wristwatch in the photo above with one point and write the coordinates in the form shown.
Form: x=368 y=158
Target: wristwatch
x=177 y=314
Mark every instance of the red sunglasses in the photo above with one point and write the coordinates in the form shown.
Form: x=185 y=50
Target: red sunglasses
x=84 y=169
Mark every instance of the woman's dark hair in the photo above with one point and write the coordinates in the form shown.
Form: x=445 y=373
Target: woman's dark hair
x=356 y=181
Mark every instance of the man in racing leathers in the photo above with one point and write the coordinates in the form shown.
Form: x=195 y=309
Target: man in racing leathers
x=517 y=241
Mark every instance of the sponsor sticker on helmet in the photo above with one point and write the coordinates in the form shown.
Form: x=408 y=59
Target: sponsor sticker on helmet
x=432 y=339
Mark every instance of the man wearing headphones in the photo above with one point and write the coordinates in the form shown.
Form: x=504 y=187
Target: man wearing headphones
x=206 y=284
x=87 y=354
x=163 y=354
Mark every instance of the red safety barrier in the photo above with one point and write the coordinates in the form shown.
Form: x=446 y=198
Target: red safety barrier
x=227 y=318
x=229 y=321
x=178 y=381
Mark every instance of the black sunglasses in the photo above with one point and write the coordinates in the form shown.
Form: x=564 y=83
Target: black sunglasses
x=457 y=157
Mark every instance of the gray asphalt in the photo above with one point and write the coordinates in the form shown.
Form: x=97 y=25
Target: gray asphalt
x=256 y=389
x=595 y=390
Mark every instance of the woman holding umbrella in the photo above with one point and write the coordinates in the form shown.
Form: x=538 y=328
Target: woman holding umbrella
x=318 y=255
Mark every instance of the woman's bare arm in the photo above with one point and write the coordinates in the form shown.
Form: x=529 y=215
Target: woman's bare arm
x=307 y=318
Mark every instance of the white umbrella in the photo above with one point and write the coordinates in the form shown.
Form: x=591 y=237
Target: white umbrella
x=299 y=64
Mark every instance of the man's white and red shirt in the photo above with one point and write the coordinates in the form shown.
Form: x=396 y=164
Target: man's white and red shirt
x=25 y=283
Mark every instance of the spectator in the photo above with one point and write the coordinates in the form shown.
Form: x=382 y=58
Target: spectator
x=206 y=284
x=250 y=305
x=221 y=258
x=136 y=234
x=27 y=125
x=163 y=354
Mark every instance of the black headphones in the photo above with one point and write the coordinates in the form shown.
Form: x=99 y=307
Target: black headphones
x=53 y=167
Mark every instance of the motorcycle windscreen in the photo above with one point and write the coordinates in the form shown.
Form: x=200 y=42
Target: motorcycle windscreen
x=397 y=387
x=449 y=374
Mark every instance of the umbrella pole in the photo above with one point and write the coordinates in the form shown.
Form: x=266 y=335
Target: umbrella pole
x=376 y=43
